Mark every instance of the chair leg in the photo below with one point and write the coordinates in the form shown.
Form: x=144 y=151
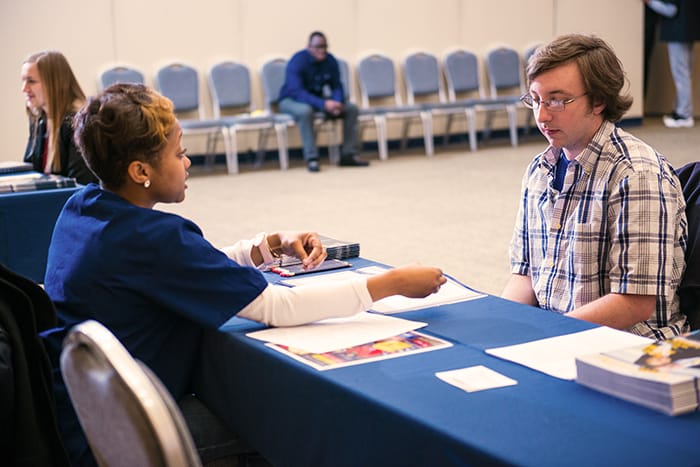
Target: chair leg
x=282 y=143
x=231 y=144
x=210 y=156
x=513 y=123
x=448 y=126
x=333 y=145
x=528 y=124
x=487 y=125
x=260 y=153
x=360 y=134
x=404 y=133
x=262 y=138
x=382 y=143
x=471 y=125
x=427 y=121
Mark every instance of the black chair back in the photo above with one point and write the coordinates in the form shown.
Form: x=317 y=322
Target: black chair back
x=689 y=290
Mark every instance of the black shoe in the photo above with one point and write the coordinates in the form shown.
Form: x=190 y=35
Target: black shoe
x=352 y=161
x=313 y=165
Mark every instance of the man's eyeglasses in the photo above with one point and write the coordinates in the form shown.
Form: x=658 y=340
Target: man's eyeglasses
x=319 y=46
x=553 y=105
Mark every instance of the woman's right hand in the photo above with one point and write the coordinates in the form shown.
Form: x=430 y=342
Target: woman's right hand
x=410 y=281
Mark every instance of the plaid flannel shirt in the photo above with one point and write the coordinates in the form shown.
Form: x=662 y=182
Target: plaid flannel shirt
x=617 y=226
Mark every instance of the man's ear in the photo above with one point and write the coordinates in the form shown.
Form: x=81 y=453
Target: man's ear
x=598 y=108
x=138 y=172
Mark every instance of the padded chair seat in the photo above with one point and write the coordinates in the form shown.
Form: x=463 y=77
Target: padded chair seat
x=263 y=120
x=457 y=106
x=392 y=110
x=205 y=125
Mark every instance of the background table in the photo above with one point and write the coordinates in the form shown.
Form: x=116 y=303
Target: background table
x=26 y=224
x=397 y=412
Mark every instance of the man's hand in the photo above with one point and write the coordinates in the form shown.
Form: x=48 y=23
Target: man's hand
x=333 y=107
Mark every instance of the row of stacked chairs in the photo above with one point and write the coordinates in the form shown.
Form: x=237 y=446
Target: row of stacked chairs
x=450 y=87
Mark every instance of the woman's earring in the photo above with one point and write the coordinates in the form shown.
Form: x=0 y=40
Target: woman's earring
x=147 y=183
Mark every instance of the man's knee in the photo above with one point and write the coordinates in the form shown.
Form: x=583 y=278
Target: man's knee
x=350 y=111
x=298 y=110
x=305 y=112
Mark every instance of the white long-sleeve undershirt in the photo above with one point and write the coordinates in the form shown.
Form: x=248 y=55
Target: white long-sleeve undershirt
x=291 y=306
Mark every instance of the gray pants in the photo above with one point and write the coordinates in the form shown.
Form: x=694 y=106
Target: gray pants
x=680 y=56
x=303 y=115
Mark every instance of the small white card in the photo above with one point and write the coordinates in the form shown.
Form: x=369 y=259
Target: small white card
x=475 y=378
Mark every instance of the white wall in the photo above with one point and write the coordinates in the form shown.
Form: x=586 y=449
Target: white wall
x=146 y=33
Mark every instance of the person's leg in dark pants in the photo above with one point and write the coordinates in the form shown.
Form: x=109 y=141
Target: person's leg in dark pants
x=348 y=157
x=216 y=444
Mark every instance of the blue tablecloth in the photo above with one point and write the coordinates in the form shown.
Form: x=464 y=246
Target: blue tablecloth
x=26 y=224
x=396 y=412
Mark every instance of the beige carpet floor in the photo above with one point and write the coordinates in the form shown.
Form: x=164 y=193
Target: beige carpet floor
x=454 y=210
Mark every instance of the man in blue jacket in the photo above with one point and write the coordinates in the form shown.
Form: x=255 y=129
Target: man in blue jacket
x=312 y=84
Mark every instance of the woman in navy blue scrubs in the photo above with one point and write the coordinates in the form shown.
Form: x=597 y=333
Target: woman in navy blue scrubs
x=150 y=276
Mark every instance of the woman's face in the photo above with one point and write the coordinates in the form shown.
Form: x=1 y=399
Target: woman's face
x=32 y=87
x=169 y=176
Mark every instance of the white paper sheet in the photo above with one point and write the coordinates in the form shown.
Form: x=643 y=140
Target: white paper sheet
x=450 y=292
x=475 y=378
x=337 y=333
x=556 y=356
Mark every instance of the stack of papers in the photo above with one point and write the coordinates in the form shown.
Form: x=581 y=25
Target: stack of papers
x=662 y=375
x=340 y=342
x=30 y=181
x=337 y=333
x=450 y=292
x=11 y=167
x=556 y=356
x=340 y=249
x=335 y=249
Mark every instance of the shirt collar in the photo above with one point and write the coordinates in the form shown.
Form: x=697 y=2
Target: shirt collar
x=588 y=157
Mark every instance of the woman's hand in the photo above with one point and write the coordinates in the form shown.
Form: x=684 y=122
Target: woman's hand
x=303 y=245
x=409 y=281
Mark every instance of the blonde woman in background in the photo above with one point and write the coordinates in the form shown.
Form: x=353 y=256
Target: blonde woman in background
x=52 y=97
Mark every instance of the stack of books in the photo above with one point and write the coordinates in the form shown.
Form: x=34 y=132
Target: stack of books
x=336 y=249
x=32 y=181
x=340 y=249
x=13 y=167
x=663 y=376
